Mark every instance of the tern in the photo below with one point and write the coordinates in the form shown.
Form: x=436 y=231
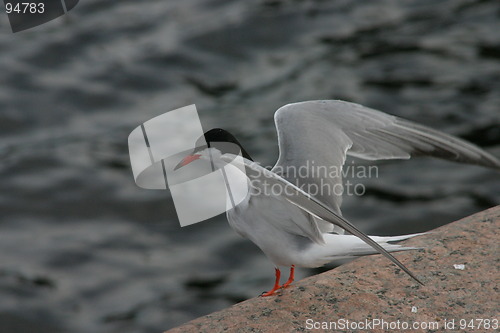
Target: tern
x=296 y=228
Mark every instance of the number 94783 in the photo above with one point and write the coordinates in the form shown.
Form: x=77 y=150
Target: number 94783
x=25 y=7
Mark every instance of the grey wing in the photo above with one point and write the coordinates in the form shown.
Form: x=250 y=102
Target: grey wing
x=268 y=202
x=286 y=217
x=316 y=135
x=317 y=209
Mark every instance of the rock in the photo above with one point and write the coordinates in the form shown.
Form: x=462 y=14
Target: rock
x=372 y=294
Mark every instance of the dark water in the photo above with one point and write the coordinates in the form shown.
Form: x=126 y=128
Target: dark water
x=82 y=249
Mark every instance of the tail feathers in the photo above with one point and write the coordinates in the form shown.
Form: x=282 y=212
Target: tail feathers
x=349 y=246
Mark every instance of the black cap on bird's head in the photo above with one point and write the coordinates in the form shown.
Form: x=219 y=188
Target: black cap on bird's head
x=212 y=137
x=221 y=135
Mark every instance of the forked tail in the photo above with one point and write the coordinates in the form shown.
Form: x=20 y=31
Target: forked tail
x=349 y=246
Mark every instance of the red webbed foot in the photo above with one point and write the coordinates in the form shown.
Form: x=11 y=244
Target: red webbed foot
x=276 y=284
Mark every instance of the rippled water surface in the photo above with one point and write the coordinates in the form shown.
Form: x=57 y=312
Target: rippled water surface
x=82 y=249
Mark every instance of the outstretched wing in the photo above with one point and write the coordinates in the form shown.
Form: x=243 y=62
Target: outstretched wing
x=314 y=208
x=315 y=136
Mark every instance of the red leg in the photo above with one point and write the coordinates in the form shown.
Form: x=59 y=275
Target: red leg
x=276 y=284
x=290 y=279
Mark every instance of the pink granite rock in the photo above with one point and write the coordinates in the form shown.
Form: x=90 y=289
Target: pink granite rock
x=372 y=292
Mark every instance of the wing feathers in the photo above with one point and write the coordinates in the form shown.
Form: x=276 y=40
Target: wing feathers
x=321 y=131
x=312 y=206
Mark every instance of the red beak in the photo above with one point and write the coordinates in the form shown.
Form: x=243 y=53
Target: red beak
x=186 y=160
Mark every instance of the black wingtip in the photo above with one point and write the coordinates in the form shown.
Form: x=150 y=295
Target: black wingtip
x=416 y=279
